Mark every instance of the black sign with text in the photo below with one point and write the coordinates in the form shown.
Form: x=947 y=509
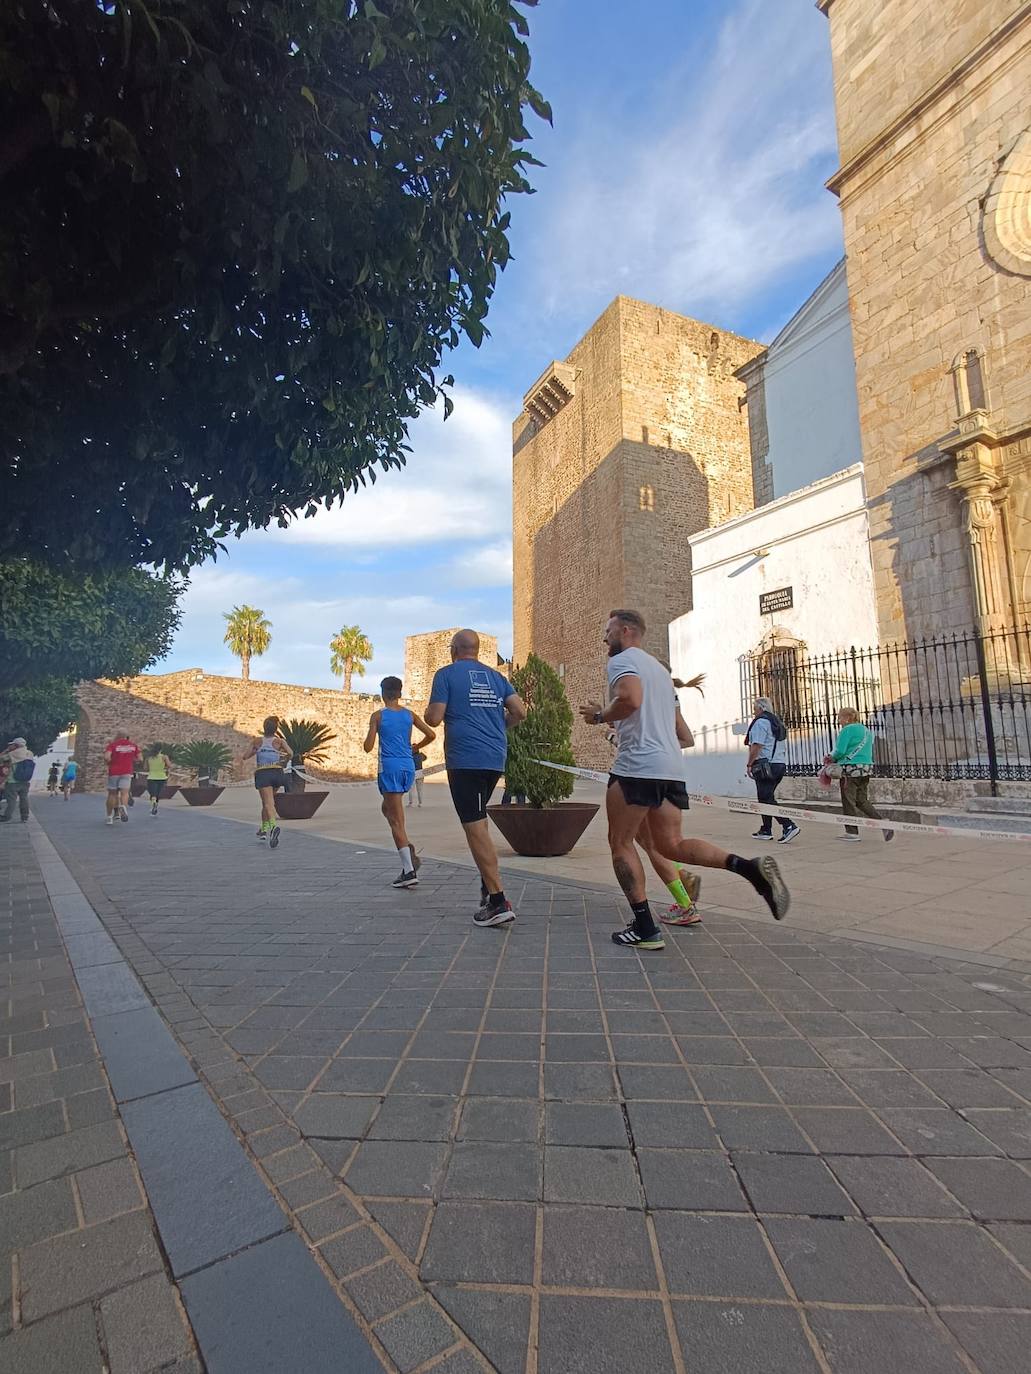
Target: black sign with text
x=781 y=599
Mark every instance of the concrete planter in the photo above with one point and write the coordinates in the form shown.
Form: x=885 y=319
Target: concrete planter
x=201 y=796
x=168 y=791
x=298 y=806
x=543 y=832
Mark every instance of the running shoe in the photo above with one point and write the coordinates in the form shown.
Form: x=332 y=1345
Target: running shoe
x=850 y=839
x=680 y=916
x=124 y=813
x=790 y=834
x=494 y=915
x=762 y=834
x=632 y=937
x=273 y=837
x=109 y=820
x=406 y=879
x=154 y=809
x=692 y=884
x=889 y=835
x=777 y=897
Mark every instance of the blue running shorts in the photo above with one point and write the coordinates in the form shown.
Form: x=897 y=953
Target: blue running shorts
x=398 y=779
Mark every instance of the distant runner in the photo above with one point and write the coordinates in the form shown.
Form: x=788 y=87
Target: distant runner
x=121 y=755
x=71 y=772
x=270 y=753
x=52 y=778
x=392 y=726
x=158 y=764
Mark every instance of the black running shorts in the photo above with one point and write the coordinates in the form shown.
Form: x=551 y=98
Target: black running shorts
x=155 y=787
x=269 y=777
x=651 y=792
x=471 y=790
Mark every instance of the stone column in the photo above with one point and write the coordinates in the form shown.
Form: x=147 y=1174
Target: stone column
x=987 y=556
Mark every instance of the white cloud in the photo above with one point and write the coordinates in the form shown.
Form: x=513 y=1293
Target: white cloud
x=456 y=485
x=715 y=191
x=487 y=566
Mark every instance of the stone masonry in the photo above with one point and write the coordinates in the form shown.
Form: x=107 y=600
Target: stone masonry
x=179 y=707
x=634 y=442
x=935 y=183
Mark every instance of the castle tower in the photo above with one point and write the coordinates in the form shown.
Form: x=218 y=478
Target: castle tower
x=635 y=441
x=934 y=131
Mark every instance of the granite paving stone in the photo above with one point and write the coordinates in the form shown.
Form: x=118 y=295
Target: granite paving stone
x=723 y=1338
x=991 y=1189
x=870 y=1104
x=893 y=1187
x=585 y=1175
x=603 y=1333
x=837 y=1261
x=956 y=1263
x=716 y=1256
x=858 y=1342
x=68 y=1269
x=144 y=1326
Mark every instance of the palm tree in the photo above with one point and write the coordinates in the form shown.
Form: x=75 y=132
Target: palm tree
x=247 y=633
x=351 y=653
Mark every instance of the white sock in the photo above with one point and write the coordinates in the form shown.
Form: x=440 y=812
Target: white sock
x=406 y=859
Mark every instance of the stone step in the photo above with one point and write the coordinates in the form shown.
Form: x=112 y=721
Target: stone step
x=1000 y=806
x=1018 y=824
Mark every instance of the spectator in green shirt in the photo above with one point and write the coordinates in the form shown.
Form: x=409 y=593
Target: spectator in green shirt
x=853 y=751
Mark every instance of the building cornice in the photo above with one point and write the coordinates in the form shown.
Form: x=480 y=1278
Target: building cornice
x=934 y=93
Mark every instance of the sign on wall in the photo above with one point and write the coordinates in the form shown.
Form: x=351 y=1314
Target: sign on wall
x=780 y=599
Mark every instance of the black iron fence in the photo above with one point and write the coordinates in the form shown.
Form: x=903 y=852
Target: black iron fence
x=956 y=706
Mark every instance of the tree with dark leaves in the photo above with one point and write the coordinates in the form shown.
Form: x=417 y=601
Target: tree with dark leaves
x=237 y=238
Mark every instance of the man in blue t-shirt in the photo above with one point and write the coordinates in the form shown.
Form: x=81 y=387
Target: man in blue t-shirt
x=477 y=707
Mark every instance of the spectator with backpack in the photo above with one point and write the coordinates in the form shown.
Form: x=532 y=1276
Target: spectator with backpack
x=21 y=765
x=767 y=763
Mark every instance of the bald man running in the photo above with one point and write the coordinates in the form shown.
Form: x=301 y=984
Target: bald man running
x=476 y=706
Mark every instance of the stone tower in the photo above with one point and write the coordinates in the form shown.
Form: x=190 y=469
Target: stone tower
x=635 y=441
x=934 y=130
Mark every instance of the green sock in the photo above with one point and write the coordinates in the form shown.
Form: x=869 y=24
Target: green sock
x=678 y=892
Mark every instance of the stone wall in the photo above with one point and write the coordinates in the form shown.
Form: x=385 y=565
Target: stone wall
x=931 y=101
x=634 y=442
x=424 y=654
x=178 y=707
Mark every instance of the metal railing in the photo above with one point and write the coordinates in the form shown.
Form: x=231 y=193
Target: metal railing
x=951 y=707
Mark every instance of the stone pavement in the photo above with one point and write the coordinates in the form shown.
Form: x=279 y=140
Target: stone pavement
x=85 y=1284
x=924 y=892
x=766 y=1149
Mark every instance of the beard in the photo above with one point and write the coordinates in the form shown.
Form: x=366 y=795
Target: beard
x=615 y=649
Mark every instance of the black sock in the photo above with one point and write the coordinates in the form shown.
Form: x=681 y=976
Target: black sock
x=643 y=919
x=750 y=870
x=496 y=899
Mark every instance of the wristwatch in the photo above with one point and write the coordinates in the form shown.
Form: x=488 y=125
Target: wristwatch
x=598 y=718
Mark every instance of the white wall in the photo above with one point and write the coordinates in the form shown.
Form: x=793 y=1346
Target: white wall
x=812 y=410
x=816 y=541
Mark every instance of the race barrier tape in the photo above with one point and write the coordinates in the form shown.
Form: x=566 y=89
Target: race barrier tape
x=363 y=782
x=959 y=832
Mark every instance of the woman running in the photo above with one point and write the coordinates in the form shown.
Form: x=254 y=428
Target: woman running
x=270 y=753
x=158 y=763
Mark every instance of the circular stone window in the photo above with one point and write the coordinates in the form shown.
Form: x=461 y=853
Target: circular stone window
x=1006 y=218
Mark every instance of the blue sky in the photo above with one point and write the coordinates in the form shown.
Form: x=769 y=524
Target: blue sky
x=686 y=164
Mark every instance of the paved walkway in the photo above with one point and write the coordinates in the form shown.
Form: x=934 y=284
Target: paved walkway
x=958 y=895
x=764 y=1150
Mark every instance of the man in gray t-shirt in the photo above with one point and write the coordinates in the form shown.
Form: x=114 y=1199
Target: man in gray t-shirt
x=648 y=777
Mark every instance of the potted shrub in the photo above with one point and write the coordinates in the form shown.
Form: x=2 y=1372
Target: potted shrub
x=547 y=824
x=208 y=759
x=308 y=742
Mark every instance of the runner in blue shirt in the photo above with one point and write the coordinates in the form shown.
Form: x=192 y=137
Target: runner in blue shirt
x=392 y=725
x=477 y=707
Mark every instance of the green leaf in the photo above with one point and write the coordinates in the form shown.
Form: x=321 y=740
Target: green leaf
x=308 y=94
x=298 y=172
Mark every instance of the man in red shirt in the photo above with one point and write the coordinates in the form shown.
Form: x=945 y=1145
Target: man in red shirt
x=121 y=755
